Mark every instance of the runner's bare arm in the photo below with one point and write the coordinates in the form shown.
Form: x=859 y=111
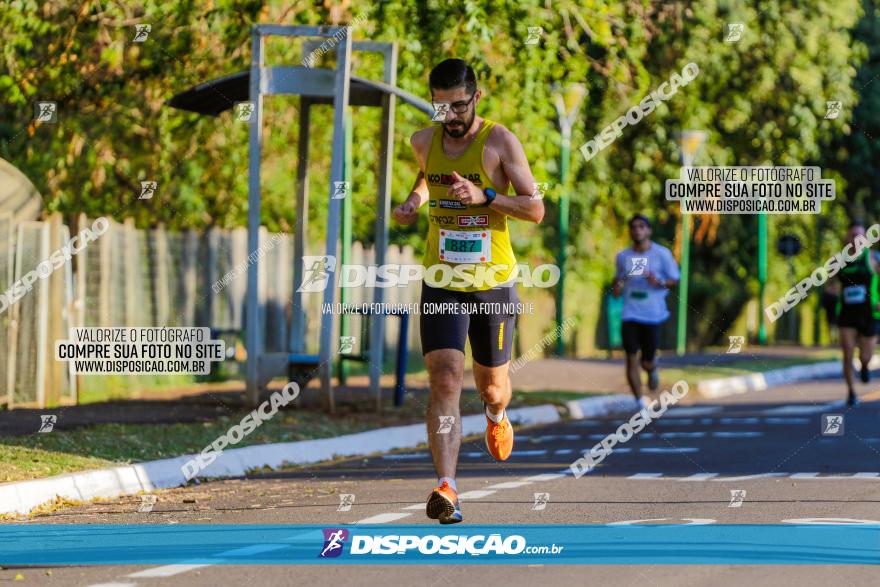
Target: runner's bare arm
x=515 y=165
x=419 y=193
x=407 y=212
x=421 y=142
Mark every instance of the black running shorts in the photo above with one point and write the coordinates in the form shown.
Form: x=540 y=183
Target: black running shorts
x=487 y=318
x=859 y=318
x=637 y=336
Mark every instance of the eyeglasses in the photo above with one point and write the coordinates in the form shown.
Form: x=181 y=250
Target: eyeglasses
x=460 y=107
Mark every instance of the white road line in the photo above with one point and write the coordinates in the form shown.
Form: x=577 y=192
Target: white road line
x=253 y=549
x=666 y=450
x=829 y=521
x=475 y=494
x=680 y=435
x=687 y=522
x=694 y=411
x=401 y=457
x=516 y=453
x=545 y=476
x=785 y=410
x=564 y=451
x=699 y=477
x=739 y=420
x=787 y=420
x=669 y=421
x=383 y=518
x=737 y=434
x=747 y=477
x=856 y=476
x=510 y=484
x=165 y=571
x=636 y=522
x=415 y=506
x=715 y=477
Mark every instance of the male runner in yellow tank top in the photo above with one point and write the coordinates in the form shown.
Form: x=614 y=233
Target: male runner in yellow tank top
x=467 y=166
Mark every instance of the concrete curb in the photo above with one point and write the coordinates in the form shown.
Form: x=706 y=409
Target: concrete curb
x=716 y=388
x=600 y=406
x=23 y=496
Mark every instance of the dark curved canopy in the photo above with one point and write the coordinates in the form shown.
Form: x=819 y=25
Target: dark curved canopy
x=216 y=96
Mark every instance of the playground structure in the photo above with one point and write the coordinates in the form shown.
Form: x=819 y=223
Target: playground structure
x=314 y=86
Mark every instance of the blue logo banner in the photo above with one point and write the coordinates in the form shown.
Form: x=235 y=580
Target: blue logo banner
x=146 y=544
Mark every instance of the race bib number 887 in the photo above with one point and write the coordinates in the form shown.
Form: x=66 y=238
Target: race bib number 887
x=458 y=246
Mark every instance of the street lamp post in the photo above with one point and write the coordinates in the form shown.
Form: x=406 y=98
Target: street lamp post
x=567 y=107
x=690 y=141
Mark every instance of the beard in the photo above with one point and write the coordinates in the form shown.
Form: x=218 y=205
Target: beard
x=459 y=128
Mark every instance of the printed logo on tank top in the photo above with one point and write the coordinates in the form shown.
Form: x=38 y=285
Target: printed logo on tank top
x=446 y=178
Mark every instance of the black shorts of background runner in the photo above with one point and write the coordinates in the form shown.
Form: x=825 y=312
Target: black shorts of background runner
x=491 y=335
x=637 y=336
x=859 y=318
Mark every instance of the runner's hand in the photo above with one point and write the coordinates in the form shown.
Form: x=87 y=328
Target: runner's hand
x=652 y=279
x=465 y=191
x=406 y=213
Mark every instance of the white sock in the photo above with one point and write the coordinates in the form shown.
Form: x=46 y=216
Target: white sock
x=449 y=480
x=497 y=419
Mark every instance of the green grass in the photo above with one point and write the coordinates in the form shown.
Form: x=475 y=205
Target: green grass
x=559 y=398
x=43 y=455
x=102 y=388
x=40 y=455
x=695 y=373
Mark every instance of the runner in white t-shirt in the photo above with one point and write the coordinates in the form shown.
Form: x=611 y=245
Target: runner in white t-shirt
x=644 y=274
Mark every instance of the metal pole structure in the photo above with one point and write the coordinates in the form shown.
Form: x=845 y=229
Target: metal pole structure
x=681 y=338
x=817 y=321
x=298 y=322
x=762 y=276
x=345 y=255
x=690 y=141
x=383 y=212
x=340 y=102
x=254 y=333
x=567 y=107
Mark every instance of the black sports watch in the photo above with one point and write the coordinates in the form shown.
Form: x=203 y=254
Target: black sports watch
x=490 y=196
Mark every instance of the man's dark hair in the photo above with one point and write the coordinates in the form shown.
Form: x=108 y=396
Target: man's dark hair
x=641 y=217
x=855 y=222
x=453 y=73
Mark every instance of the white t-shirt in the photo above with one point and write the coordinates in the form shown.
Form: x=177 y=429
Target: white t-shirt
x=643 y=302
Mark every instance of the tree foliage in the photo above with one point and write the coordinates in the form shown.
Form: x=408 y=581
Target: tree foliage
x=761 y=100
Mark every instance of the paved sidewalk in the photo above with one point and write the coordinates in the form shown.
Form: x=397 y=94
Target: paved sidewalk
x=607 y=375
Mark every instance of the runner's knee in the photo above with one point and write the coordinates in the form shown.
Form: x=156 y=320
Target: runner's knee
x=493 y=393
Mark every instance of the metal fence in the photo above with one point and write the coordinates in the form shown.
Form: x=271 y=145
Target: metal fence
x=131 y=277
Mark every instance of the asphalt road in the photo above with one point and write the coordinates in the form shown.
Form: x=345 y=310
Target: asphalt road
x=767 y=448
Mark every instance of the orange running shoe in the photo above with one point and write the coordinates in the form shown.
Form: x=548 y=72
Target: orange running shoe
x=499 y=438
x=443 y=505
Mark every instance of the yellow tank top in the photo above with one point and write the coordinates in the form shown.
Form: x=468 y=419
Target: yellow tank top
x=473 y=240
